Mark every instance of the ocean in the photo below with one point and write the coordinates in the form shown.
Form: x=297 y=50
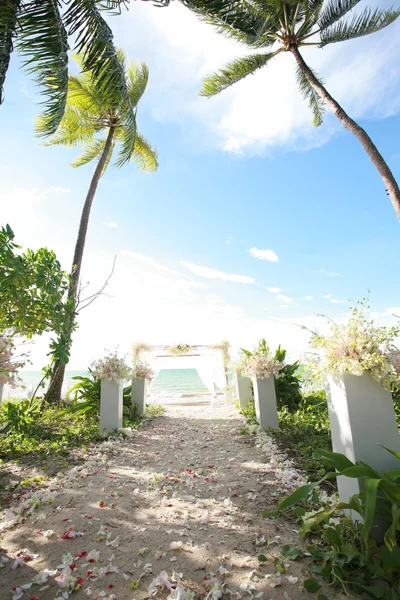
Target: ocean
x=168 y=383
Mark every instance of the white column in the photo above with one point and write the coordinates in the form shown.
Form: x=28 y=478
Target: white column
x=362 y=416
x=138 y=394
x=229 y=397
x=243 y=390
x=1 y=391
x=110 y=406
x=265 y=402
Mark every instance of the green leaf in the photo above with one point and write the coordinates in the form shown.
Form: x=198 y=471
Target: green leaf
x=302 y=492
x=335 y=459
x=262 y=558
x=370 y=491
x=362 y=24
x=390 y=537
x=335 y=10
x=311 y=585
x=322 y=597
x=315 y=102
x=396 y=454
x=234 y=72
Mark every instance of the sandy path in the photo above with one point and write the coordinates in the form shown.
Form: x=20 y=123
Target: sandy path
x=184 y=494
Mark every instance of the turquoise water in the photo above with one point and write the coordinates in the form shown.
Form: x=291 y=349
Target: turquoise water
x=169 y=382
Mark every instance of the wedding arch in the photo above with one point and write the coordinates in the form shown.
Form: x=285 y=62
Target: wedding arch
x=207 y=360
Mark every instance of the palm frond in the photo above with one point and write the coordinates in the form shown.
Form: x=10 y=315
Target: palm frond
x=335 y=10
x=82 y=93
x=94 y=41
x=8 y=21
x=144 y=155
x=234 y=72
x=42 y=41
x=74 y=129
x=364 y=24
x=241 y=20
x=315 y=102
x=91 y=150
x=138 y=77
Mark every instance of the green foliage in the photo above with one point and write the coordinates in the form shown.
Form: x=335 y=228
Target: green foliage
x=85 y=394
x=19 y=416
x=43 y=433
x=350 y=555
x=288 y=383
x=33 y=288
x=41 y=31
x=302 y=431
x=91 y=115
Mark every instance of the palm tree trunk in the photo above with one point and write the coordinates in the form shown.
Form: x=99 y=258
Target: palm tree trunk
x=362 y=136
x=53 y=393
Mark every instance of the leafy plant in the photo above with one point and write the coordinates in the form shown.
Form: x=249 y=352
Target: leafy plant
x=350 y=555
x=19 y=416
x=86 y=395
x=288 y=384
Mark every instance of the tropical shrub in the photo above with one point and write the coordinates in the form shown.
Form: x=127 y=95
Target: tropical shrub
x=19 y=416
x=288 y=382
x=349 y=555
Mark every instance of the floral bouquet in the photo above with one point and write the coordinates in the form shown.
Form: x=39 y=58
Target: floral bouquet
x=8 y=365
x=358 y=346
x=142 y=369
x=111 y=368
x=179 y=349
x=262 y=367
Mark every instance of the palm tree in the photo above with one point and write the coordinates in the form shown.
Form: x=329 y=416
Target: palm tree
x=274 y=26
x=98 y=122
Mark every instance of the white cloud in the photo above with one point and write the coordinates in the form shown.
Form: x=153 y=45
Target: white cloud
x=60 y=190
x=284 y=298
x=328 y=296
x=215 y=274
x=309 y=298
x=327 y=273
x=274 y=290
x=264 y=254
x=111 y=224
x=336 y=301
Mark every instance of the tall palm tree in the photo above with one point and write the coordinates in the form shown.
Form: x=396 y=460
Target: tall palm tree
x=98 y=123
x=274 y=26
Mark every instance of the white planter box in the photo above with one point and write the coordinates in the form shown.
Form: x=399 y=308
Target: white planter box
x=243 y=390
x=139 y=394
x=229 y=397
x=1 y=391
x=362 y=416
x=110 y=406
x=265 y=402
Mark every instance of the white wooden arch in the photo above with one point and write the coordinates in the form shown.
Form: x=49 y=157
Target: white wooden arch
x=208 y=363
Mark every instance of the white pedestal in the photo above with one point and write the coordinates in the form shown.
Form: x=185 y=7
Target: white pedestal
x=110 y=406
x=362 y=415
x=1 y=391
x=229 y=397
x=243 y=390
x=138 y=394
x=265 y=403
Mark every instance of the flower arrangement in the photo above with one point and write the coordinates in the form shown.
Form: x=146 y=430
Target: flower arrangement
x=111 y=368
x=179 y=349
x=138 y=349
x=358 y=346
x=224 y=347
x=260 y=363
x=8 y=364
x=263 y=367
x=142 y=369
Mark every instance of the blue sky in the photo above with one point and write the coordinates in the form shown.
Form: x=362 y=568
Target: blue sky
x=239 y=172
